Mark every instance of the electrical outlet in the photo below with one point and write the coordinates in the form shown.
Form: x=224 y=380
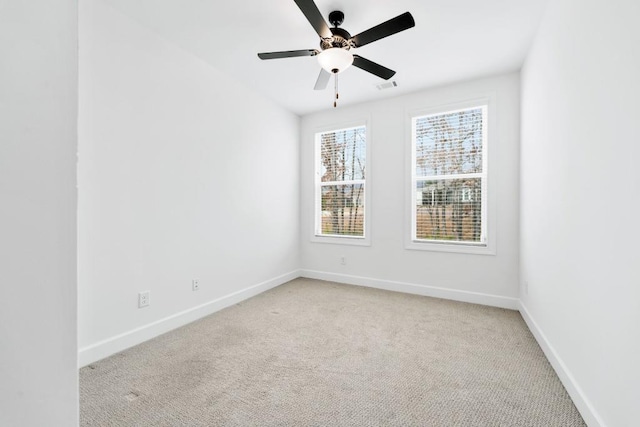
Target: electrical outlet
x=195 y=284
x=343 y=260
x=143 y=299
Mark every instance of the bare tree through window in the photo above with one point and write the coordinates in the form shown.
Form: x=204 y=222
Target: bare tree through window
x=342 y=182
x=449 y=174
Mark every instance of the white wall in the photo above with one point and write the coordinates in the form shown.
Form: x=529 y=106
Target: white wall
x=38 y=107
x=489 y=279
x=183 y=174
x=580 y=156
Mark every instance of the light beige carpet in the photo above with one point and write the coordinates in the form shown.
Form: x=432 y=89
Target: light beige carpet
x=312 y=353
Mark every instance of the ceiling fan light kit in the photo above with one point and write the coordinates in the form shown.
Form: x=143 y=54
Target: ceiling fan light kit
x=336 y=43
x=335 y=60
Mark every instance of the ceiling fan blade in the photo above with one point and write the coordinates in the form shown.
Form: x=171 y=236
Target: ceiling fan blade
x=313 y=15
x=372 y=67
x=288 y=54
x=390 y=27
x=323 y=80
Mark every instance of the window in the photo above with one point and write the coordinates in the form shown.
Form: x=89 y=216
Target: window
x=340 y=183
x=449 y=177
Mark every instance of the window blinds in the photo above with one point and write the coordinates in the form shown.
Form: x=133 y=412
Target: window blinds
x=340 y=188
x=449 y=176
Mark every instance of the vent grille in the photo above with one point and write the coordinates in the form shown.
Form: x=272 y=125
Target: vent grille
x=387 y=85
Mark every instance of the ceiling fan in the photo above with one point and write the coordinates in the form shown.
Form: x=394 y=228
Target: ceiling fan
x=334 y=55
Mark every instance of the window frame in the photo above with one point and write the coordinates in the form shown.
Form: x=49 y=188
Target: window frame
x=364 y=240
x=488 y=203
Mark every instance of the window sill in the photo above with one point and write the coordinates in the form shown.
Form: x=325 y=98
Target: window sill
x=341 y=240
x=462 y=248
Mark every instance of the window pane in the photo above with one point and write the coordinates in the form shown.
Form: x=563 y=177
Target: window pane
x=449 y=210
x=449 y=143
x=343 y=209
x=342 y=155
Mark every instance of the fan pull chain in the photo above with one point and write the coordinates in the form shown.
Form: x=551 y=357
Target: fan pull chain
x=335 y=103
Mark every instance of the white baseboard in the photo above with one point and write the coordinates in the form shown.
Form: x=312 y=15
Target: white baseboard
x=411 y=288
x=113 y=345
x=583 y=404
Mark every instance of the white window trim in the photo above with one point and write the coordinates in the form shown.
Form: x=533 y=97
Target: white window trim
x=489 y=208
x=342 y=239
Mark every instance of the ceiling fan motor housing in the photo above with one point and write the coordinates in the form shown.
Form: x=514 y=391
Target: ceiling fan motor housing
x=340 y=39
x=340 y=36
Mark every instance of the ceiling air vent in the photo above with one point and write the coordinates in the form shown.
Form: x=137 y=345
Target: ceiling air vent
x=387 y=85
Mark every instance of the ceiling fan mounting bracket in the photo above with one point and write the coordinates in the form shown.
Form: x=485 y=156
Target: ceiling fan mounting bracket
x=336 y=18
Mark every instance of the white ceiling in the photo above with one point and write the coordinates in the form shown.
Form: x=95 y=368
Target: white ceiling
x=453 y=40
